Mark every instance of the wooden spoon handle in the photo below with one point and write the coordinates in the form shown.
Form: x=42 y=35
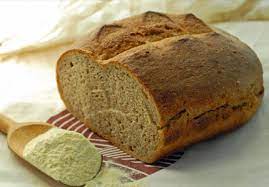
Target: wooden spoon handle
x=6 y=123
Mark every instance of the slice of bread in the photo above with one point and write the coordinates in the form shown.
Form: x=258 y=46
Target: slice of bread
x=155 y=83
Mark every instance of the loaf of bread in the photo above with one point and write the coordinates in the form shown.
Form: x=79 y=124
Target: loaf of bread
x=155 y=83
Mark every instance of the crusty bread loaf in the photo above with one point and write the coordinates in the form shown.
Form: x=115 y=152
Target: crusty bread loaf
x=155 y=83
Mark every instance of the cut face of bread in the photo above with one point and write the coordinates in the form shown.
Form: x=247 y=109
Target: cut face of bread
x=111 y=102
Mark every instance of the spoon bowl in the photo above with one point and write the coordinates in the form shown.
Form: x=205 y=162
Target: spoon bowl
x=19 y=134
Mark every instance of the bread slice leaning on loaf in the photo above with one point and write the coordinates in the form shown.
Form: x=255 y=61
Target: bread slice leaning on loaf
x=155 y=83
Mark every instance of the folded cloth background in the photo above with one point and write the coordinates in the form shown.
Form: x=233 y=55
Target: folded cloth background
x=34 y=33
x=44 y=24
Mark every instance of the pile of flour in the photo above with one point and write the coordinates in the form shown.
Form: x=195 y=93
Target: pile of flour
x=112 y=176
x=65 y=156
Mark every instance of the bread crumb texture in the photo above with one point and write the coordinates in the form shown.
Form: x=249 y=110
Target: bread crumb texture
x=65 y=156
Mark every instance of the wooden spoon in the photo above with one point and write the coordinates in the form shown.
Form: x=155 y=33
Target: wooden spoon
x=19 y=134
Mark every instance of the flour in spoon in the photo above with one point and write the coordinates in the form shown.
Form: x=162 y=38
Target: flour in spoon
x=65 y=156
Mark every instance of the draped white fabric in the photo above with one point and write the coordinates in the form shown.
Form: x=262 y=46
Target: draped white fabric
x=34 y=25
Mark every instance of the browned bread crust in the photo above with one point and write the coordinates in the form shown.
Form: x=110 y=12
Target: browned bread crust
x=112 y=39
x=201 y=82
